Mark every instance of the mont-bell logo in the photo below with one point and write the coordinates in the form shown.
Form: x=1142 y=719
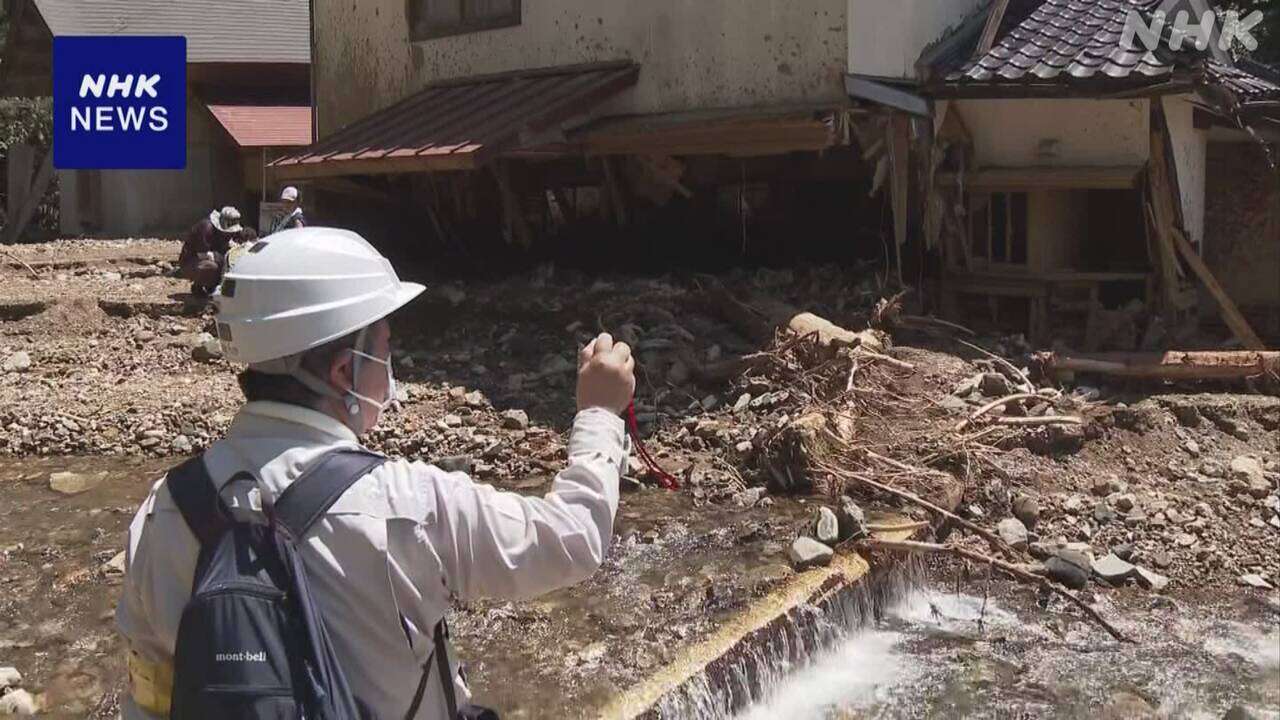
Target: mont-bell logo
x=119 y=102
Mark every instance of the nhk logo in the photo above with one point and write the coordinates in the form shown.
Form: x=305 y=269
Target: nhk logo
x=119 y=102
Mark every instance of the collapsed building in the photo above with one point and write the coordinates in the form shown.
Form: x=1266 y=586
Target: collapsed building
x=1029 y=164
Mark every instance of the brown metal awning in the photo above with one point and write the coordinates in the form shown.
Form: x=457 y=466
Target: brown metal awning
x=460 y=124
x=252 y=126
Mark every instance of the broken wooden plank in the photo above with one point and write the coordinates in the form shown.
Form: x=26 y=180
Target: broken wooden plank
x=1173 y=365
x=900 y=181
x=517 y=226
x=1230 y=313
x=989 y=31
x=1165 y=211
x=18 y=223
x=887 y=95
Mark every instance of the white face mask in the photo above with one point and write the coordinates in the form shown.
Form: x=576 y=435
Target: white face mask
x=391 y=381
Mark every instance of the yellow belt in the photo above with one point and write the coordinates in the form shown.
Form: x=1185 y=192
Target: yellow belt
x=150 y=684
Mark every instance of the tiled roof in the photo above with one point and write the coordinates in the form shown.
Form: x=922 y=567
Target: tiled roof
x=1067 y=40
x=1249 y=82
x=217 y=31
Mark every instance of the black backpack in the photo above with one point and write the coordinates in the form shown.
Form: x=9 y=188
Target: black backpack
x=252 y=642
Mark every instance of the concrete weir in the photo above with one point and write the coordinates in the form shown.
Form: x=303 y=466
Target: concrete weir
x=752 y=652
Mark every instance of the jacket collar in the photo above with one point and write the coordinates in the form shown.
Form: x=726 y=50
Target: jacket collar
x=313 y=420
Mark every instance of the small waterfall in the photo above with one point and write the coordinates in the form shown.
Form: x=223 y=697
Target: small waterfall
x=763 y=659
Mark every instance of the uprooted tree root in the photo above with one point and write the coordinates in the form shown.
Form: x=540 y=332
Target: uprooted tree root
x=857 y=426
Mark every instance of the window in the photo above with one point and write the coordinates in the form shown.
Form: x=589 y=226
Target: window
x=998 y=227
x=439 y=18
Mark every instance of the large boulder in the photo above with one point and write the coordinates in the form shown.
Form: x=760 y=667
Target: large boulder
x=808 y=553
x=1070 y=568
x=1013 y=533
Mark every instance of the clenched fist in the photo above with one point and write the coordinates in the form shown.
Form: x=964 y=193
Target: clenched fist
x=606 y=375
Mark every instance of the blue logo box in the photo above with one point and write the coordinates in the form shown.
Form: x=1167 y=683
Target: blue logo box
x=119 y=102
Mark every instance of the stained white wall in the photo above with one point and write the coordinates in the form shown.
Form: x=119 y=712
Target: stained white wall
x=1057 y=221
x=886 y=37
x=694 y=54
x=1190 y=148
x=1009 y=133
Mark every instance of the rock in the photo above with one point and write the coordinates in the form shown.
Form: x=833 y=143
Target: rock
x=1187 y=415
x=18 y=362
x=968 y=386
x=1123 y=551
x=1152 y=581
x=208 y=350
x=1104 y=485
x=452 y=421
x=1103 y=514
x=1125 y=705
x=114 y=566
x=1250 y=477
x=995 y=385
x=18 y=702
x=1112 y=569
x=853 y=521
x=1185 y=539
x=751 y=496
x=1027 y=509
x=1073 y=505
x=474 y=399
x=10 y=677
x=1162 y=559
x=1069 y=568
x=1013 y=532
x=742 y=402
x=182 y=445
x=1039 y=551
x=1212 y=468
x=112 y=276
x=1255 y=581
x=515 y=420
x=1124 y=503
x=72 y=483
x=808 y=553
x=710 y=402
x=827 y=527
x=1192 y=447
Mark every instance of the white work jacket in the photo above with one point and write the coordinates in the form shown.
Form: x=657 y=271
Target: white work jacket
x=402 y=542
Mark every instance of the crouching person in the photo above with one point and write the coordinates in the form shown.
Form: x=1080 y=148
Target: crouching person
x=204 y=250
x=288 y=571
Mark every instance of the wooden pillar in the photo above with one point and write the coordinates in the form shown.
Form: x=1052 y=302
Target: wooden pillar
x=19 y=220
x=22 y=162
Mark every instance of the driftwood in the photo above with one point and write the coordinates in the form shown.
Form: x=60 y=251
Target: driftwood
x=1043 y=420
x=991 y=538
x=960 y=426
x=34 y=275
x=1174 y=365
x=1012 y=570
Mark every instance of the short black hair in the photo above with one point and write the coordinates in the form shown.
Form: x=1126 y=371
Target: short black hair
x=287 y=389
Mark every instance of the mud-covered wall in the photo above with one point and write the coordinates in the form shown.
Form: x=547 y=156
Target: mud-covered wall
x=1242 y=223
x=694 y=53
x=1057 y=221
x=1027 y=133
x=1189 y=147
x=886 y=37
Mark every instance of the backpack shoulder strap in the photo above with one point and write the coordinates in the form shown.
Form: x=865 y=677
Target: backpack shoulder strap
x=197 y=499
x=309 y=497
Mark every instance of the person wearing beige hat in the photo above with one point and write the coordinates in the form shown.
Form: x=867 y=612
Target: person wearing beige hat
x=291 y=218
x=205 y=248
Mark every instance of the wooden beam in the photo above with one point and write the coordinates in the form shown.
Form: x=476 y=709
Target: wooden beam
x=1173 y=365
x=517 y=225
x=18 y=223
x=1230 y=313
x=994 y=20
x=22 y=163
x=616 y=202
x=1164 y=207
x=1047 y=178
x=899 y=142
x=887 y=95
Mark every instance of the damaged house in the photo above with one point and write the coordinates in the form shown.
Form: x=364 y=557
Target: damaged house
x=1020 y=160
x=248 y=83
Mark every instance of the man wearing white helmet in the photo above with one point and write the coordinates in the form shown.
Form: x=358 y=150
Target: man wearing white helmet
x=291 y=218
x=306 y=311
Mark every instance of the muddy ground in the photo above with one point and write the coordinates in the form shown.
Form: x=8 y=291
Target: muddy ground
x=108 y=378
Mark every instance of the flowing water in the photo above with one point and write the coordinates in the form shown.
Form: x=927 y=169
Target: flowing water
x=940 y=654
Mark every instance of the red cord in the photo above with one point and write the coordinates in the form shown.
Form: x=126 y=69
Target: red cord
x=665 y=479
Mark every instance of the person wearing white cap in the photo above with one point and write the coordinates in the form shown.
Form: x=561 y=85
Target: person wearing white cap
x=291 y=218
x=305 y=311
x=205 y=248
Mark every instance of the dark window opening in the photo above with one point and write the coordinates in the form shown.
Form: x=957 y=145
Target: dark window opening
x=998 y=232
x=441 y=18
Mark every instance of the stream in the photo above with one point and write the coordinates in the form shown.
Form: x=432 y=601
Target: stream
x=941 y=654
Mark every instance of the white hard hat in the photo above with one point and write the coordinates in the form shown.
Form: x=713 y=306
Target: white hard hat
x=299 y=289
x=290 y=193
x=227 y=219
